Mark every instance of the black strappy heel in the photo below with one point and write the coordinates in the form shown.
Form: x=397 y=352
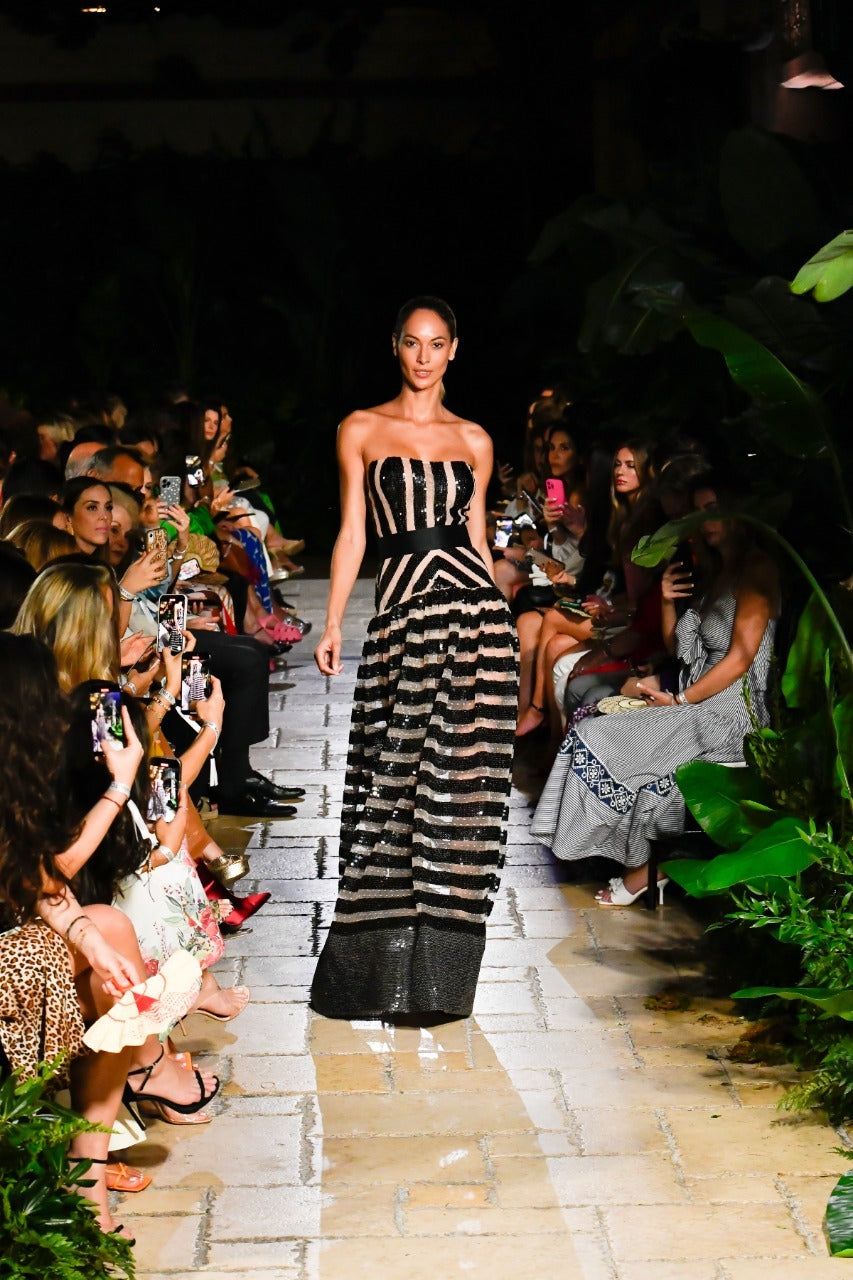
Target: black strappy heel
x=133 y=1099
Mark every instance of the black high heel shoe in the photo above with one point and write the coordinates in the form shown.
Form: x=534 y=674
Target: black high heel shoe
x=134 y=1099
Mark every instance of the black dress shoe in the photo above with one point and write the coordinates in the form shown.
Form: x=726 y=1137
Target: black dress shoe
x=250 y=803
x=266 y=787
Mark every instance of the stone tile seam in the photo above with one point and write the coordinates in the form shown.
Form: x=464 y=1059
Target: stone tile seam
x=606 y=1243
x=798 y=1218
x=674 y=1153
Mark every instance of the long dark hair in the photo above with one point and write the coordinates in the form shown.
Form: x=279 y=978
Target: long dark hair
x=34 y=830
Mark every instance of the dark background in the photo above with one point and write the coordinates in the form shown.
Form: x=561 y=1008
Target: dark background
x=238 y=196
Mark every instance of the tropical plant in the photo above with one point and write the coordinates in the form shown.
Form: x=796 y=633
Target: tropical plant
x=48 y=1229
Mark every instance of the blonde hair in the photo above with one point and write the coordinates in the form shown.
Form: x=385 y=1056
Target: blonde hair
x=68 y=610
x=41 y=541
x=631 y=514
x=59 y=428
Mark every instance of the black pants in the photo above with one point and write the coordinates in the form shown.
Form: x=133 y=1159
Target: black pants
x=242 y=666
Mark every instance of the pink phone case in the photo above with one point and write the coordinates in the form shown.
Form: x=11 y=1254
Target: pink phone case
x=555 y=491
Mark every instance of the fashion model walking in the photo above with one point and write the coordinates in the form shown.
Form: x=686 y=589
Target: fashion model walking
x=431 y=740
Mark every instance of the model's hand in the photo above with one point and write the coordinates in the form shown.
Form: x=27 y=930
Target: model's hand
x=327 y=655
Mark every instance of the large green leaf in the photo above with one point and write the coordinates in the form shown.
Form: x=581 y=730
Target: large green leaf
x=778 y=851
x=839 y=1218
x=830 y=272
x=842 y=718
x=654 y=548
x=837 y=1004
x=715 y=795
x=807 y=655
x=793 y=412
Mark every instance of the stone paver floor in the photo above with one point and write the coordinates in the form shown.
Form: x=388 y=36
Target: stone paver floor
x=567 y=1130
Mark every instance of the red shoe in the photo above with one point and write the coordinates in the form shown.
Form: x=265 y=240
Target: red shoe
x=242 y=910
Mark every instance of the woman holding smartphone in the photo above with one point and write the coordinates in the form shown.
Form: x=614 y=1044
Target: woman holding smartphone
x=431 y=741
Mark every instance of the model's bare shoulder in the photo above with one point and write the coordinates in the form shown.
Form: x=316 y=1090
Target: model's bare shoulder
x=477 y=439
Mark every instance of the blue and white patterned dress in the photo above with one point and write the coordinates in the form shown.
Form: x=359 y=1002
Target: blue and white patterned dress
x=612 y=788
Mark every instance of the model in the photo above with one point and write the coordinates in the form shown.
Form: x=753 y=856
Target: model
x=431 y=741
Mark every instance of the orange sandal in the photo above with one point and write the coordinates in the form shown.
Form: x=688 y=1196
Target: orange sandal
x=124 y=1177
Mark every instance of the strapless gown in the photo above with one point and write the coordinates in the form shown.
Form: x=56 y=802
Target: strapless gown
x=423 y=826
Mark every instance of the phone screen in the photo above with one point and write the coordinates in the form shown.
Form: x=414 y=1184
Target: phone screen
x=171 y=621
x=503 y=532
x=165 y=778
x=195 y=679
x=195 y=471
x=105 y=707
x=189 y=569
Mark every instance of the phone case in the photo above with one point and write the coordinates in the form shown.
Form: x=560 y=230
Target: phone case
x=555 y=491
x=170 y=490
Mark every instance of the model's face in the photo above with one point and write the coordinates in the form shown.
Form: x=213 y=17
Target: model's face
x=424 y=350
x=211 y=424
x=561 y=453
x=91 y=518
x=713 y=531
x=120 y=529
x=625 y=478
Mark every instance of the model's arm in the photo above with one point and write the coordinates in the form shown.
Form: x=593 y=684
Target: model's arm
x=349 y=546
x=481 y=447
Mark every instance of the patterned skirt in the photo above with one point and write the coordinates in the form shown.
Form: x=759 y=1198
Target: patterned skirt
x=424 y=814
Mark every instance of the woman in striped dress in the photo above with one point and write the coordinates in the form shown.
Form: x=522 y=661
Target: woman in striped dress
x=431 y=741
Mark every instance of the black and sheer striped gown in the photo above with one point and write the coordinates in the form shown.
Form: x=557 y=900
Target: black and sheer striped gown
x=430 y=754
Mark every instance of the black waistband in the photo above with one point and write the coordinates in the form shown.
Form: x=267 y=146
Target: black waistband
x=441 y=537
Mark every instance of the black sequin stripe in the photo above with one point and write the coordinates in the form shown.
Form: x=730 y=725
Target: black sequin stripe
x=451 y=923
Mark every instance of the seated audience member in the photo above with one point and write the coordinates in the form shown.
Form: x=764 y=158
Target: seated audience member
x=612 y=787
x=89 y=957
x=40 y=541
x=26 y=506
x=633 y=512
x=16 y=577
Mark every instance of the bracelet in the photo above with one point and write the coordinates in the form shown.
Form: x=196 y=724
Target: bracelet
x=681 y=699
x=76 y=920
x=166 y=697
x=209 y=724
x=129 y=596
x=128 y=684
x=121 y=787
x=169 y=853
x=112 y=801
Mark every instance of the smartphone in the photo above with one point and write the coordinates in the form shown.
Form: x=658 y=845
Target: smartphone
x=503 y=532
x=195 y=471
x=189 y=569
x=105 y=708
x=156 y=540
x=195 y=680
x=555 y=491
x=534 y=502
x=171 y=621
x=170 y=490
x=539 y=558
x=572 y=607
x=164 y=776
x=245 y=484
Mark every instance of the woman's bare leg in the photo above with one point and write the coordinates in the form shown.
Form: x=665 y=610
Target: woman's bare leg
x=528 y=625
x=557 y=646
x=554 y=623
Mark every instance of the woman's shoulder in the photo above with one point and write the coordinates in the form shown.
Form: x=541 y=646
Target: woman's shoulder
x=759 y=574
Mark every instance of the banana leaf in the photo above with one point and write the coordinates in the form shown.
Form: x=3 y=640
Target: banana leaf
x=842 y=718
x=716 y=796
x=839 y=1218
x=779 y=851
x=830 y=272
x=835 y=1004
x=807 y=655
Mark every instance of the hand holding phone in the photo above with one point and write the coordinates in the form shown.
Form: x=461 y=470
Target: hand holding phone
x=107 y=725
x=171 y=622
x=164 y=775
x=195 y=680
x=555 y=491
